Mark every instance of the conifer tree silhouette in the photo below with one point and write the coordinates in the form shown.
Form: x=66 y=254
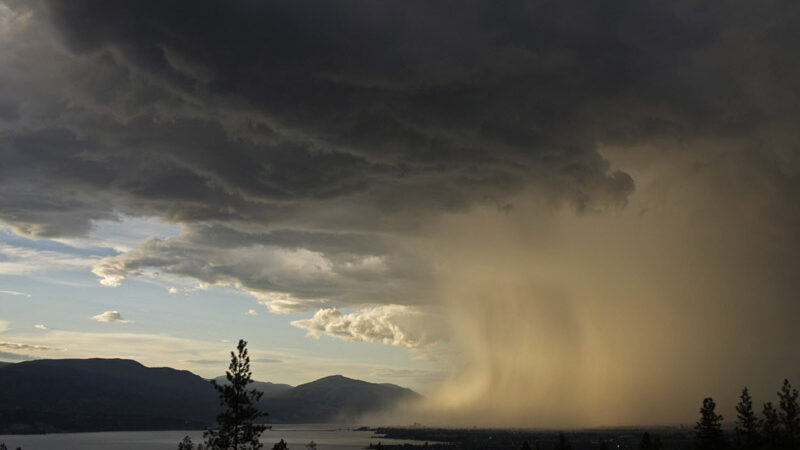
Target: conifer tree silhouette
x=563 y=443
x=709 y=435
x=645 y=443
x=186 y=444
x=748 y=426
x=770 y=427
x=649 y=443
x=236 y=429
x=789 y=416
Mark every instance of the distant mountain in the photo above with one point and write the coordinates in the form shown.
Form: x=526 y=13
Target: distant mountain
x=333 y=399
x=118 y=394
x=264 y=386
x=101 y=394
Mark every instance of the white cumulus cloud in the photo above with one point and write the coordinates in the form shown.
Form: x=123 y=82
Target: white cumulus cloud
x=399 y=325
x=110 y=316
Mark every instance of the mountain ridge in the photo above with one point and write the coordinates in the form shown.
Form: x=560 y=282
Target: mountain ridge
x=96 y=394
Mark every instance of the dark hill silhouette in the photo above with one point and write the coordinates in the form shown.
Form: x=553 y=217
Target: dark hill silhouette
x=101 y=394
x=264 y=386
x=118 y=394
x=333 y=399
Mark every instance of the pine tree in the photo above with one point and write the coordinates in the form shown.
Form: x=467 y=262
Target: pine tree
x=747 y=424
x=709 y=434
x=282 y=445
x=186 y=444
x=770 y=427
x=789 y=416
x=645 y=443
x=563 y=443
x=236 y=429
x=649 y=443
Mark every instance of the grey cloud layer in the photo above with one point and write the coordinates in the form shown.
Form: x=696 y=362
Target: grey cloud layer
x=300 y=142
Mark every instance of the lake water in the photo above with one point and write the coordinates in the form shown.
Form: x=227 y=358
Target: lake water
x=296 y=436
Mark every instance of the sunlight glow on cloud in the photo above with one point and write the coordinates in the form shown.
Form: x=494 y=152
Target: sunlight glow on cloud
x=110 y=316
x=20 y=260
x=28 y=347
x=15 y=293
x=397 y=325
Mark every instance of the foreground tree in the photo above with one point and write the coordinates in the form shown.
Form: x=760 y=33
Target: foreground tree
x=709 y=434
x=563 y=443
x=789 y=416
x=649 y=443
x=770 y=427
x=186 y=444
x=236 y=427
x=646 y=443
x=748 y=426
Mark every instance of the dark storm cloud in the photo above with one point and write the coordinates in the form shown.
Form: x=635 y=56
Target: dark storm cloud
x=338 y=127
x=313 y=267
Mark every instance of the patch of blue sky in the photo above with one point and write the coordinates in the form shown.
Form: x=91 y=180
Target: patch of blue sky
x=61 y=293
x=130 y=230
x=10 y=238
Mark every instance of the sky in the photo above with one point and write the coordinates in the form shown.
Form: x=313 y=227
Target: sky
x=537 y=213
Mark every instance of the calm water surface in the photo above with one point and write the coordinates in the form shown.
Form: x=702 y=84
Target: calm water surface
x=297 y=436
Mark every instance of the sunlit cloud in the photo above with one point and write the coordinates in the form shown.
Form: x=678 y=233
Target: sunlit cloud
x=29 y=347
x=21 y=261
x=110 y=316
x=15 y=293
x=389 y=324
